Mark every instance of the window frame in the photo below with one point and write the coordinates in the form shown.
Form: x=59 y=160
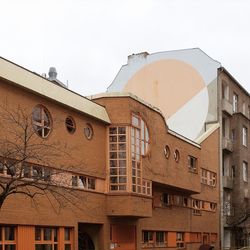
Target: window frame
x=192 y=164
x=7 y=242
x=71 y=128
x=235 y=102
x=245 y=171
x=41 y=126
x=244 y=136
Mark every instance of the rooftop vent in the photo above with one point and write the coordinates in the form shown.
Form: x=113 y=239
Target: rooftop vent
x=53 y=77
x=52 y=73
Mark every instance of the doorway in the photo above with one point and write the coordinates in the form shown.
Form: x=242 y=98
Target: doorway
x=85 y=242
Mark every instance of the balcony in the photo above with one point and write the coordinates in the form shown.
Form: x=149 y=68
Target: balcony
x=227 y=144
x=227 y=182
x=227 y=106
x=127 y=204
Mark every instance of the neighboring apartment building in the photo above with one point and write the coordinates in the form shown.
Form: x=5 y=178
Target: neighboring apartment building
x=121 y=178
x=194 y=92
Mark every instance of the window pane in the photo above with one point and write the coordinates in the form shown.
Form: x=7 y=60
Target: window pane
x=122 y=171
x=160 y=237
x=9 y=233
x=67 y=234
x=43 y=247
x=112 y=130
x=91 y=183
x=122 y=130
x=10 y=247
x=122 y=138
x=38 y=233
x=122 y=163
x=135 y=121
x=67 y=247
x=55 y=235
x=113 y=171
x=47 y=233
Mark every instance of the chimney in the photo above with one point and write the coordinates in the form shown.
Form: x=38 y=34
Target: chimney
x=137 y=57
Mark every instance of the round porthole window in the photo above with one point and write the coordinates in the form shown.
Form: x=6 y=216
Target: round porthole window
x=70 y=125
x=167 y=151
x=88 y=131
x=177 y=155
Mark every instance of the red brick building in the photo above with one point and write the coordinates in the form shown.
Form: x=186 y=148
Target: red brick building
x=136 y=184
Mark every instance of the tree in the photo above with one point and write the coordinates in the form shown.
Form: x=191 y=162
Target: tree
x=237 y=218
x=28 y=163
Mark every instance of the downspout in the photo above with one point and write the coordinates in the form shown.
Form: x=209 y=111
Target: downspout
x=219 y=110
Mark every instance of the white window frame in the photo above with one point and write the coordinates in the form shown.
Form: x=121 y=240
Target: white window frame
x=244 y=136
x=245 y=171
x=235 y=103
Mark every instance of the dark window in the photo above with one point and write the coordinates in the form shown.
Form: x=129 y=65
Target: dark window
x=70 y=125
x=9 y=233
x=67 y=234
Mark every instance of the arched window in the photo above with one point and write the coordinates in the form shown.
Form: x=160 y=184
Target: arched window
x=41 y=121
x=140 y=135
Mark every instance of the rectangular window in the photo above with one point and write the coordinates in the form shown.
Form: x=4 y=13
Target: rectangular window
x=147 y=237
x=160 y=239
x=192 y=164
x=208 y=177
x=118 y=158
x=204 y=176
x=154 y=239
x=235 y=103
x=196 y=204
x=7 y=237
x=245 y=171
x=46 y=238
x=244 y=108
x=180 y=240
x=166 y=200
x=9 y=233
x=244 y=136
x=66 y=234
x=233 y=135
x=82 y=181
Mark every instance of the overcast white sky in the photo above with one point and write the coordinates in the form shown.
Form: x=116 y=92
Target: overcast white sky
x=89 y=40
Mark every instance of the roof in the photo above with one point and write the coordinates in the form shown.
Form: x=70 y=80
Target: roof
x=33 y=82
x=125 y=94
x=222 y=69
x=128 y=94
